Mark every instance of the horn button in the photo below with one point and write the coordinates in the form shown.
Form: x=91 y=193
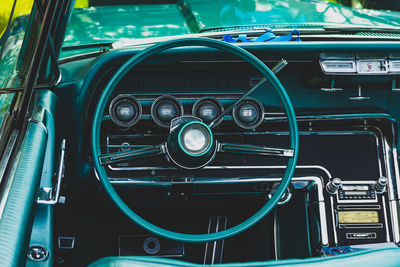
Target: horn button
x=191 y=145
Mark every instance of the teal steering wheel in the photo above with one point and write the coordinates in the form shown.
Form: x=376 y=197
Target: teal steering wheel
x=99 y=163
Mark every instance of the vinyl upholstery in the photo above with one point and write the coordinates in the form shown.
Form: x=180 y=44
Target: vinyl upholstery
x=16 y=220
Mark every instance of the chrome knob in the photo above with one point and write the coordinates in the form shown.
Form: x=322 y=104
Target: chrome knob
x=37 y=253
x=333 y=186
x=380 y=185
x=285 y=197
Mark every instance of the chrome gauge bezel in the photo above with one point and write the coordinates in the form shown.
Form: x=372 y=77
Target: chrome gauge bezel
x=157 y=101
x=260 y=110
x=211 y=99
x=116 y=101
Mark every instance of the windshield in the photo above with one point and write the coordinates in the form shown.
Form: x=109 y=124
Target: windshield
x=103 y=22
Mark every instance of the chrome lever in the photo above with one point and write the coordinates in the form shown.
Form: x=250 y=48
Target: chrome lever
x=332 y=89
x=394 y=89
x=51 y=195
x=359 y=97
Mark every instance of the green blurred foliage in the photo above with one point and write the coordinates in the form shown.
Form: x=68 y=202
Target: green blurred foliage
x=23 y=7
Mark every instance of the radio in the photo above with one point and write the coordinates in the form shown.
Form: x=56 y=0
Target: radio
x=356 y=192
x=359 y=211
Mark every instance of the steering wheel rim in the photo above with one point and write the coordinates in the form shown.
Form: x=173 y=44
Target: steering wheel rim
x=128 y=66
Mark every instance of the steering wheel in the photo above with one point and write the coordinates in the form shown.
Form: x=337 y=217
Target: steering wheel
x=191 y=143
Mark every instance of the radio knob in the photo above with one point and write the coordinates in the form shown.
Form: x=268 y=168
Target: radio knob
x=333 y=186
x=380 y=185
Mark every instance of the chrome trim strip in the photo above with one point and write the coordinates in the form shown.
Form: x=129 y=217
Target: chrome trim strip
x=275 y=235
x=333 y=222
x=332 y=117
x=393 y=204
x=226 y=168
x=358 y=207
x=7 y=153
x=390 y=154
x=386 y=220
x=396 y=171
x=360 y=225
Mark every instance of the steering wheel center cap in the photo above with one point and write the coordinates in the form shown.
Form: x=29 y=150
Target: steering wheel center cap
x=195 y=139
x=191 y=145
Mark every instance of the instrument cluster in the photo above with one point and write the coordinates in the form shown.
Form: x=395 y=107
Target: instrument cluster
x=126 y=110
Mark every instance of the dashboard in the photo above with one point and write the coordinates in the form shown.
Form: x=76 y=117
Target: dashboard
x=345 y=112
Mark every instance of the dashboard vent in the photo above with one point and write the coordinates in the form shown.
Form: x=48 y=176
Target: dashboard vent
x=234 y=82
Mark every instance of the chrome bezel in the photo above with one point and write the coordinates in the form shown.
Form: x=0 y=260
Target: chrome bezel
x=153 y=109
x=210 y=99
x=134 y=101
x=254 y=125
x=326 y=69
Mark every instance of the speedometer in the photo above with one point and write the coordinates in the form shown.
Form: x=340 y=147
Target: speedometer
x=372 y=66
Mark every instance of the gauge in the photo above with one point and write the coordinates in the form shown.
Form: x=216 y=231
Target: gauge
x=208 y=109
x=125 y=111
x=372 y=66
x=248 y=114
x=164 y=109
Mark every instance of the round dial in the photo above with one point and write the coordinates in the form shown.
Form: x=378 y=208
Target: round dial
x=248 y=114
x=164 y=109
x=125 y=110
x=208 y=109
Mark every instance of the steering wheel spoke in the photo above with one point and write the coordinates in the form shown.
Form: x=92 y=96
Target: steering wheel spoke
x=255 y=150
x=147 y=151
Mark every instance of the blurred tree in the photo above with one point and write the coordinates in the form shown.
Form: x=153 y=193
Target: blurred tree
x=371 y=4
x=23 y=7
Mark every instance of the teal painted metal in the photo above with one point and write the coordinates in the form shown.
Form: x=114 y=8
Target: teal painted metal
x=131 y=63
x=299 y=14
x=94 y=25
x=100 y=24
x=180 y=134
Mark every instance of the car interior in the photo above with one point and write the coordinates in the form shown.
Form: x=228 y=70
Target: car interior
x=194 y=150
